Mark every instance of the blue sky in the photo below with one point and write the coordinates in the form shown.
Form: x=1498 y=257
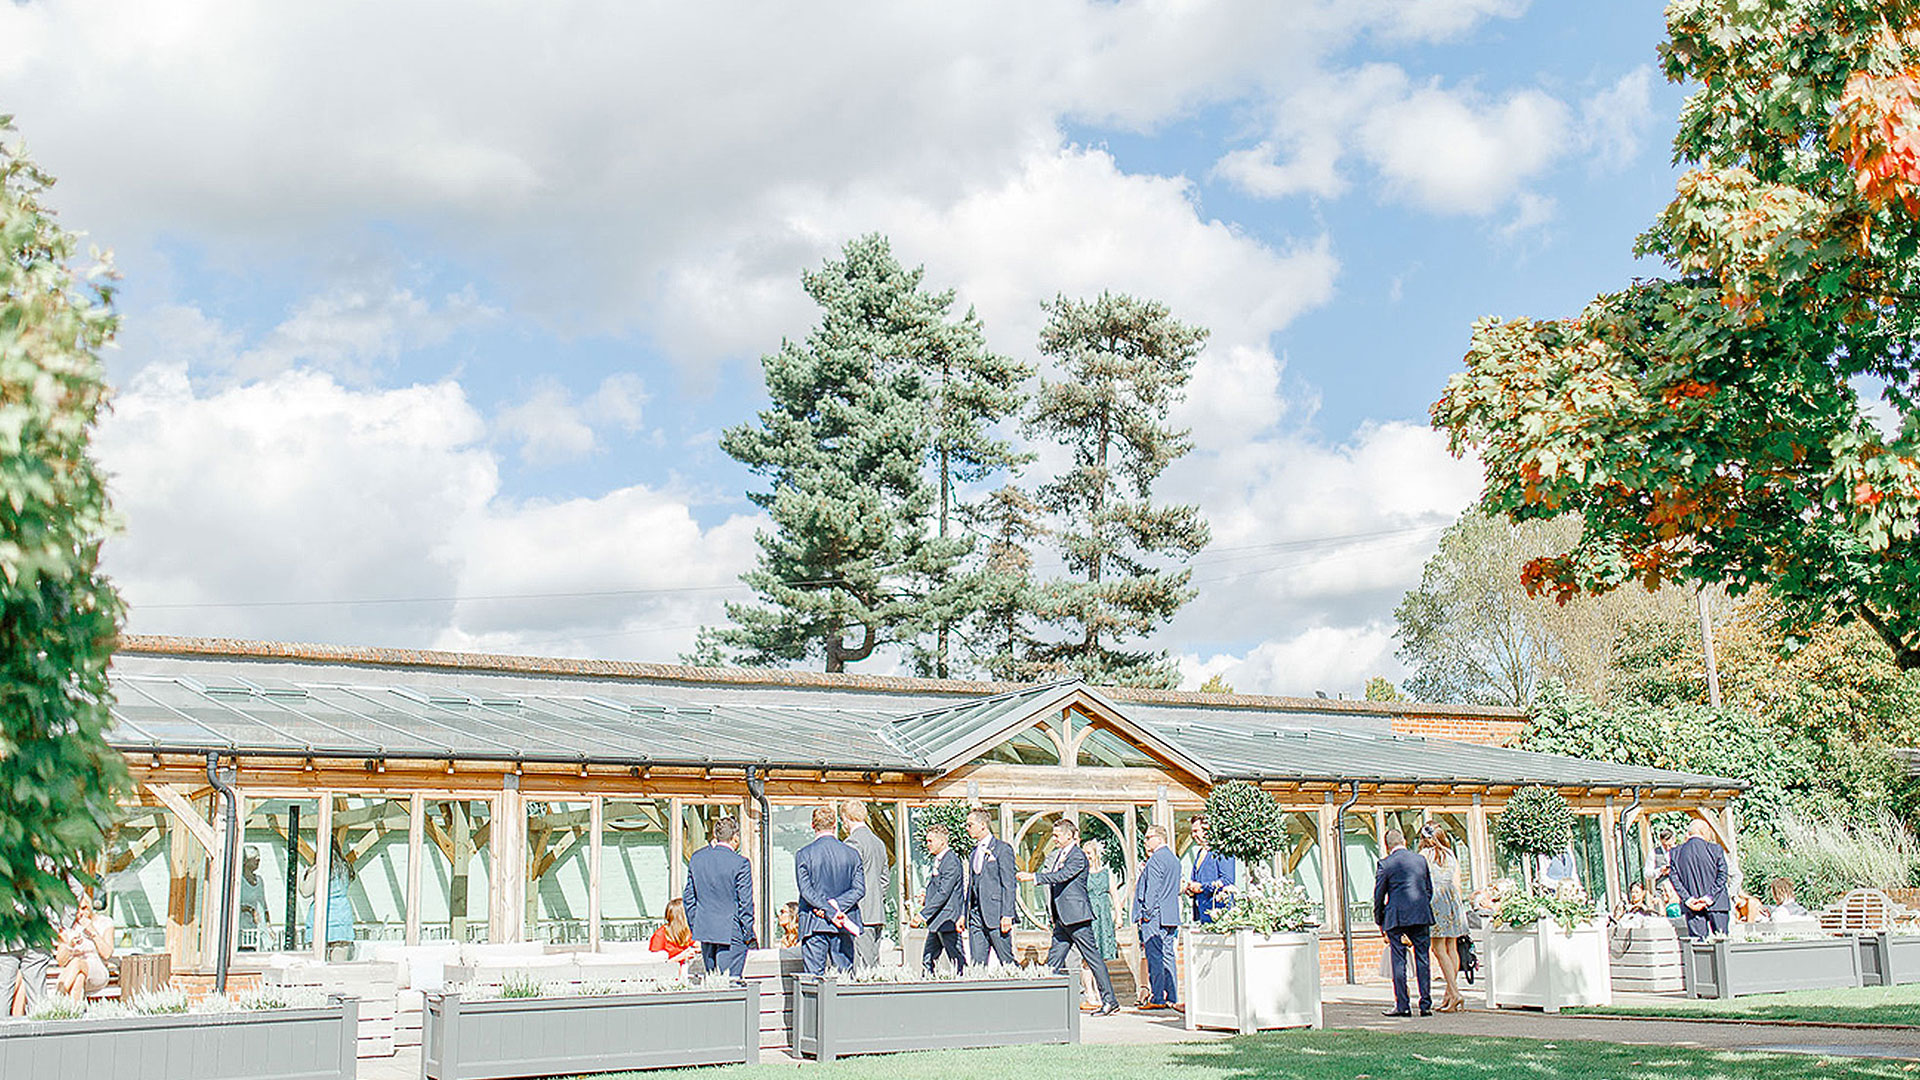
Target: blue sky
x=447 y=316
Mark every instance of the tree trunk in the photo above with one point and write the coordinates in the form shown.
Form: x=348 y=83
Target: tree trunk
x=839 y=656
x=1905 y=657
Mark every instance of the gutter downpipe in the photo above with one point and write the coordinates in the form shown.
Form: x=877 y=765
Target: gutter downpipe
x=1346 y=915
x=227 y=860
x=1620 y=828
x=757 y=787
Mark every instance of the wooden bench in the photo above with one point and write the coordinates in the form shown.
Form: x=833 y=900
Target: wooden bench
x=1862 y=911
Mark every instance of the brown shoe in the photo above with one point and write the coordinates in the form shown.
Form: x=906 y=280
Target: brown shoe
x=1148 y=1006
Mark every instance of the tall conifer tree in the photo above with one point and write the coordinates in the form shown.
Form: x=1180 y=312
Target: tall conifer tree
x=850 y=562
x=1125 y=363
x=998 y=636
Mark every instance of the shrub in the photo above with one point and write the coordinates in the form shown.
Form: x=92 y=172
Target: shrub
x=1825 y=858
x=1270 y=907
x=1536 y=821
x=952 y=814
x=1244 y=823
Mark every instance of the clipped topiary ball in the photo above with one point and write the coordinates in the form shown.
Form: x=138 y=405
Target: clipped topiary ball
x=1244 y=822
x=1536 y=821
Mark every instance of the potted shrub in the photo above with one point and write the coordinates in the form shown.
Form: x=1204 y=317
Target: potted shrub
x=532 y=1029
x=1257 y=965
x=1546 y=952
x=263 y=1036
x=886 y=1010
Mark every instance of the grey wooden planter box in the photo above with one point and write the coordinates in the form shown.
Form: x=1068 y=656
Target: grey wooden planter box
x=832 y=1018
x=1889 y=959
x=271 y=1044
x=511 y=1037
x=1724 y=969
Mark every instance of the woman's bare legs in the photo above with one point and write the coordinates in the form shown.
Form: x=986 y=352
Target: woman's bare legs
x=1447 y=951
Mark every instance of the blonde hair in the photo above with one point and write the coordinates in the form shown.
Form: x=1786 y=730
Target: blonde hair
x=678 y=932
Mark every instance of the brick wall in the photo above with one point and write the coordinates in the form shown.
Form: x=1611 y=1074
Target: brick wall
x=1367 y=949
x=1487 y=731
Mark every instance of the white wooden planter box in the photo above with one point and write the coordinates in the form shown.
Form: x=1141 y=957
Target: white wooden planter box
x=1645 y=958
x=516 y=1037
x=1246 y=982
x=272 y=1044
x=832 y=1019
x=1546 y=967
x=1724 y=968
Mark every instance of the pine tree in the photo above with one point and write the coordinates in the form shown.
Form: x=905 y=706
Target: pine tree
x=59 y=780
x=998 y=636
x=844 y=443
x=1125 y=363
x=971 y=389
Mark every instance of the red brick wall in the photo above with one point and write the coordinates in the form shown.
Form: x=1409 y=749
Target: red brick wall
x=1367 y=950
x=1487 y=731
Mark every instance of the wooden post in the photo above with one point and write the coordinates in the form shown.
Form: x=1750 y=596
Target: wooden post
x=1727 y=826
x=322 y=874
x=460 y=820
x=416 y=851
x=1480 y=840
x=596 y=817
x=1610 y=852
x=1330 y=861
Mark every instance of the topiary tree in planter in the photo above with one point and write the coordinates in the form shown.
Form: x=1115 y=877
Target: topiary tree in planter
x=1536 y=821
x=1245 y=823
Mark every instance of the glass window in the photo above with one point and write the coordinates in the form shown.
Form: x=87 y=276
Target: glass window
x=635 y=884
x=278 y=852
x=370 y=845
x=1408 y=822
x=1363 y=858
x=1032 y=840
x=559 y=836
x=1182 y=839
x=880 y=818
x=792 y=829
x=458 y=868
x=919 y=867
x=1103 y=748
x=137 y=875
x=1033 y=746
x=1300 y=859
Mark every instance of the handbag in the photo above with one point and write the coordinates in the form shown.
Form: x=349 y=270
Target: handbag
x=1469 y=960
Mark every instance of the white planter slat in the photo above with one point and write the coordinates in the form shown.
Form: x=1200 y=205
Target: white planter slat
x=1246 y=982
x=272 y=1044
x=1546 y=967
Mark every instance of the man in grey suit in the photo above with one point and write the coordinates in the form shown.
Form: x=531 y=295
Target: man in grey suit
x=873 y=871
x=1065 y=876
x=1403 y=910
x=827 y=872
x=944 y=907
x=1156 y=911
x=992 y=895
x=719 y=901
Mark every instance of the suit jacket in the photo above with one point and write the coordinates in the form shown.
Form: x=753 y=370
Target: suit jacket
x=828 y=873
x=1156 y=894
x=719 y=895
x=1212 y=872
x=1402 y=891
x=945 y=906
x=1066 y=886
x=993 y=891
x=873 y=871
x=1699 y=868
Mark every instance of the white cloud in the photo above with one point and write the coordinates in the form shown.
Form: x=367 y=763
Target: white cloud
x=1334 y=660
x=551 y=427
x=1613 y=120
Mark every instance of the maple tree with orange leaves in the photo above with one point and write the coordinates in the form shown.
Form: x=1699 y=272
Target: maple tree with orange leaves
x=1717 y=424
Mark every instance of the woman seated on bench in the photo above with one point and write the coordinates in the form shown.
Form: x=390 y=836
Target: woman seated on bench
x=674 y=937
x=83 y=950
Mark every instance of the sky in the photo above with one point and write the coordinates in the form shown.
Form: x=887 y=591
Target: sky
x=433 y=313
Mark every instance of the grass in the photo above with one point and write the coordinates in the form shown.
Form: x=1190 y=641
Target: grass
x=1852 y=1005
x=1326 y=1055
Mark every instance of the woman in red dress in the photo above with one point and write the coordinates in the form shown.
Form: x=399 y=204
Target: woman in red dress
x=674 y=937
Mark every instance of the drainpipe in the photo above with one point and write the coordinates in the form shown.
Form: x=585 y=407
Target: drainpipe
x=757 y=787
x=228 y=857
x=1340 y=857
x=1620 y=837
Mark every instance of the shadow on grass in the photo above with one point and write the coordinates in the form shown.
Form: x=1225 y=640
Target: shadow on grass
x=1353 y=1055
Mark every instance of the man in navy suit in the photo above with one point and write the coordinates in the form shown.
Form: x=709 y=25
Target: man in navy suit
x=719 y=901
x=1403 y=909
x=1212 y=873
x=944 y=908
x=831 y=885
x=1698 y=871
x=992 y=895
x=1065 y=876
x=1156 y=911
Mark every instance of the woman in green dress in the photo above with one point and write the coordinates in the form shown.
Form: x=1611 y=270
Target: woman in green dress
x=1100 y=889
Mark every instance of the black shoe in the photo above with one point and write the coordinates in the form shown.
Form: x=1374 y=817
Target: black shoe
x=1396 y=1013
x=1107 y=1010
x=1426 y=1012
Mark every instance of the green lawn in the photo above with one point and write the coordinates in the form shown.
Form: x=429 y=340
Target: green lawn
x=1326 y=1055
x=1853 y=1005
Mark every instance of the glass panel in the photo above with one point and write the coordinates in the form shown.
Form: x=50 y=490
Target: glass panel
x=1456 y=825
x=1034 y=746
x=1408 y=822
x=274 y=875
x=136 y=874
x=1300 y=859
x=792 y=829
x=1032 y=839
x=880 y=818
x=371 y=834
x=455 y=887
x=1585 y=859
x=1505 y=864
x=634 y=882
x=1103 y=748
x=1363 y=858
x=559 y=838
x=1183 y=836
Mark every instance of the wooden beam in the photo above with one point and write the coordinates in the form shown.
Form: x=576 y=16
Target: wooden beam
x=183 y=810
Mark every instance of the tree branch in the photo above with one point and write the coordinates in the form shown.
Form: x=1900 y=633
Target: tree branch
x=1905 y=657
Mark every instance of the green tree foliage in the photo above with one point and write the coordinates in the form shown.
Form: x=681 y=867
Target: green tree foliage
x=971 y=389
x=1244 y=822
x=850 y=563
x=999 y=633
x=1706 y=425
x=1381 y=688
x=1216 y=684
x=1535 y=821
x=58 y=777
x=1123 y=363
